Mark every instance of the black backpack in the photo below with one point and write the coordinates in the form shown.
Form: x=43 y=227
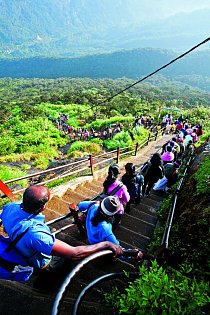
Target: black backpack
x=80 y=217
x=145 y=168
x=103 y=195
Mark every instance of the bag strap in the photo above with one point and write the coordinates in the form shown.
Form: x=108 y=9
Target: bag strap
x=16 y=240
x=115 y=190
x=90 y=205
x=7 y=264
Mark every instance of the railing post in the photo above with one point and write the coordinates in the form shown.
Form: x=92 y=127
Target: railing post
x=156 y=135
x=136 y=150
x=5 y=189
x=91 y=164
x=148 y=140
x=118 y=154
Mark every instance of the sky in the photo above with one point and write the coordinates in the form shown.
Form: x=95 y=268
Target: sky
x=163 y=8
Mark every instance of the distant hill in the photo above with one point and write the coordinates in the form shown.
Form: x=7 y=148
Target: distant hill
x=72 y=28
x=193 y=69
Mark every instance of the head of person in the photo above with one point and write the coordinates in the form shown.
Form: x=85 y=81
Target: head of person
x=35 y=199
x=156 y=159
x=106 y=210
x=171 y=143
x=169 y=148
x=113 y=171
x=130 y=169
x=109 y=206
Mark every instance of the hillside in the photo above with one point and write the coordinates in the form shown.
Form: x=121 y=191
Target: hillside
x=193 y=69
x=79 y=27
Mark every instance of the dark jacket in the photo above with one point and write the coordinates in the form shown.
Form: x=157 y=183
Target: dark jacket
x=154 y=173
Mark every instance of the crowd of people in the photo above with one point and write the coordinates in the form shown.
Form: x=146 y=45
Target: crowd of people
x=83 y=133
x=39 y=244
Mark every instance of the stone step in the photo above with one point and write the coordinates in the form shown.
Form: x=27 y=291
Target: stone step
x=72 y=196
x=155 y=197
x=98 y=189
x=143 y=215
x=59 y=205
x=137 y=225
x=150 y=202
x=134 y=239
x=89 y=190
x=85 y=192
x=149 y=209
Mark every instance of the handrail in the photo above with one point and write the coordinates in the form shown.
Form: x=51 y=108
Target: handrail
x=109 y=276
x=43 y=172
x=166 y=234
x=71 y=275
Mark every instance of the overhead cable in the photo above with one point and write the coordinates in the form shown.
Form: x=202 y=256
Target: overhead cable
x=152 y=73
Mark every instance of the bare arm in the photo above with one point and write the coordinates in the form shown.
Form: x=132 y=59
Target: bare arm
x=62 y=249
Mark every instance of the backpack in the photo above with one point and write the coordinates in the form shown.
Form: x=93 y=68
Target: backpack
x=13 y=265
x=103 y=195
x=80 y=216
x=145 y=168
x=132 y=185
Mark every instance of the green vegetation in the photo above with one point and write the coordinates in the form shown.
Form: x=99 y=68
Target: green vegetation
x=101 y=123
x=29 y=109
x=191 y=220
x=202 y=177
x=87 y=147
x=158 y=291
x=7 y=173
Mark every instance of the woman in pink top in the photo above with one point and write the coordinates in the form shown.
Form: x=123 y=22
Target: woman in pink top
x=167 y=156
x=110 y=183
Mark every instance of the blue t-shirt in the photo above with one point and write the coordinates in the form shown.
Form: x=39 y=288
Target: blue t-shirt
x=36 y=245
x=101 y=232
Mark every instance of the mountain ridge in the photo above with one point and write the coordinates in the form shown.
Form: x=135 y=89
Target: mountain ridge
x=78 y=27
x=131 y=64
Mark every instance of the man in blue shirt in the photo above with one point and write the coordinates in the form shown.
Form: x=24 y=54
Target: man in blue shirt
x=38 y=245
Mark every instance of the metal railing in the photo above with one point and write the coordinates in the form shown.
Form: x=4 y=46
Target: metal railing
x=69 y=278
x=169 y=221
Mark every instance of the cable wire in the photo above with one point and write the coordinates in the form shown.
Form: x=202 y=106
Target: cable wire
x=152 y=73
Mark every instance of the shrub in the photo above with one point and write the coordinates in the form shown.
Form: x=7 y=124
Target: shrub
x=121 y=140
x=41 y=162
x=76 y=154
x=25 y=167
x=87 y=146
x=7 y=173
x=157 y=291
x=7 y=145
x=101 y=123
x=203 y=178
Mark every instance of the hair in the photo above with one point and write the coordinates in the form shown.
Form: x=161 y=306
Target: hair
x=34 y=198
x=113 y=172
x=99 y=217
x=169 y=148
x=156 y=159
x=130 y=168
